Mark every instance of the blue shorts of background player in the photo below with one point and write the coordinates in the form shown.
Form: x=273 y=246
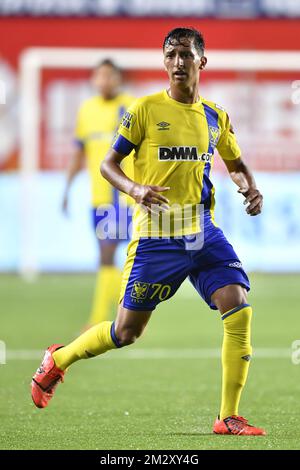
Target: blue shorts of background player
x=117 y=221
x=155 y=268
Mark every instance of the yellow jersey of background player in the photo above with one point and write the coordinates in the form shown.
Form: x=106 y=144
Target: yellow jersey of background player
x=96 y=124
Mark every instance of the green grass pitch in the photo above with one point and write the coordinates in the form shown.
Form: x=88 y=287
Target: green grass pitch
x=161 y=393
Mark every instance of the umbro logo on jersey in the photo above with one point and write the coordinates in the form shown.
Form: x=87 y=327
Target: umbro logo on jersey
x=163 y=126
x=182 y=154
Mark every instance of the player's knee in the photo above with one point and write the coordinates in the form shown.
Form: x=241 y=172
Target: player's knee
x=229 y=297
x=236 y=302
x=241 y=296
x=127 y=336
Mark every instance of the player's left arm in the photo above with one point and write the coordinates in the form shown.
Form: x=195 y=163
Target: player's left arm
x=242 y=176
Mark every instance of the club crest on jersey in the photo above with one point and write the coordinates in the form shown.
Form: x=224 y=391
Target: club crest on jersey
x=182 y=154
x=128 y=120
x=214 y=135
x=139 y=290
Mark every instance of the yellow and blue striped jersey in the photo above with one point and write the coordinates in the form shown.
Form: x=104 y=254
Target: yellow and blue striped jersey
x=174 y=145
x=97 y=121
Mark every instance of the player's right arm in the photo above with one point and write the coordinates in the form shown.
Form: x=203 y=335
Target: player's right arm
x=76 y=165
x=77 y=160
x=146 y=195
x=129 y=136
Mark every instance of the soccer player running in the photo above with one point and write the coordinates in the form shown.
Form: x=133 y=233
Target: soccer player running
x=97 y=121
x=174 y=134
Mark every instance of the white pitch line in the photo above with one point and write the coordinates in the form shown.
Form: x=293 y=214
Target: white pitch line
x=200 y=353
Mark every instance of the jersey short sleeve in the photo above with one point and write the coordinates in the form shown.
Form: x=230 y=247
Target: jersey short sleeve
x=131 y=130
x=227 y=146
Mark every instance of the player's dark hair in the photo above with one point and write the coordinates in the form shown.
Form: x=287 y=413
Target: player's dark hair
x=108 y=62
x=177 y=34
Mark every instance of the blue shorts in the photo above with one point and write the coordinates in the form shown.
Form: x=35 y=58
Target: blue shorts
x=155 y=268
x=115 y=221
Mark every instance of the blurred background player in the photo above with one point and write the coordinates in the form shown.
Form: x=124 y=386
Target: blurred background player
x=97 y=121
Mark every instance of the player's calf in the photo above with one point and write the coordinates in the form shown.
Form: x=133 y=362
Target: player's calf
x=127 y=336
x=130 y=324
x=95 y=341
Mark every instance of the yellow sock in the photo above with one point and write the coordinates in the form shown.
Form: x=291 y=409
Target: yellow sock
x=236 y=355
x=97 y=340
x=108 y=284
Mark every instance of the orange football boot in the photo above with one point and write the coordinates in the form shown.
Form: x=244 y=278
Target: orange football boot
x=236 y=425
x=46 y=379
